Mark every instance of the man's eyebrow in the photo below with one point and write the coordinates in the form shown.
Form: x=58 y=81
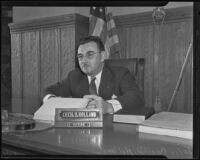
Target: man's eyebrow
x=86 y=52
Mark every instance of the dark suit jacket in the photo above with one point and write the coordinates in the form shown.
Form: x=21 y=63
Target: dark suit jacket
x=114 y=81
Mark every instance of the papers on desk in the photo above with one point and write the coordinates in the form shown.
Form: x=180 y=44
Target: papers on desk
x=46 y=113
x=170 y=124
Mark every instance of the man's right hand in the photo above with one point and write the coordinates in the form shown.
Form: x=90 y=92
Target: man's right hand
x=91 y=104
x=48 y=96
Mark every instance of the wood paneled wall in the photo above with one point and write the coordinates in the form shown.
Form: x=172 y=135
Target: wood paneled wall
x=43 y=52
x=164 y=48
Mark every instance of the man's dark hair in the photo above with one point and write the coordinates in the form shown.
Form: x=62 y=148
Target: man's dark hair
x=95 y=39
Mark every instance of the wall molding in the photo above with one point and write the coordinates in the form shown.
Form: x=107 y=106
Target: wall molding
x=48 y=22
x=145 y=18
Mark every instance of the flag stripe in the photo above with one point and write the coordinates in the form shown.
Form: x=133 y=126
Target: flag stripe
x=111 y=24
x=98 y=27
x=103 y=34
x=114 y=49
x=114 y=39
x=107 y=48
x=92 y=24
x=112 y=32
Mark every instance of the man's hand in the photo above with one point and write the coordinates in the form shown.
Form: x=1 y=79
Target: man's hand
x=98 y=102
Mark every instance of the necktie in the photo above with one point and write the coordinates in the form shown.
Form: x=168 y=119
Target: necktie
x=92 y=86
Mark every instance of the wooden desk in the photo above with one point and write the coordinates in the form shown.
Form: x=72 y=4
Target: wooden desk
x=112 y=139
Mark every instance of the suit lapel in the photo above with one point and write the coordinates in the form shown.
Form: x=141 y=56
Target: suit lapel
x=83 y=86
x=106 y=84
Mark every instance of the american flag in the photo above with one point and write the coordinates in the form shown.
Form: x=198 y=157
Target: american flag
x=102 y=24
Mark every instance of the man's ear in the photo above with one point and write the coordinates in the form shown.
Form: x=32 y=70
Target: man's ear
x=103 y=56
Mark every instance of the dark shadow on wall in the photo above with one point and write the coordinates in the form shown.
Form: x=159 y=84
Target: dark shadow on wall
x=6 y=18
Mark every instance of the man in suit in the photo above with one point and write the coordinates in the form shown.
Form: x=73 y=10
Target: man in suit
x=112 y=88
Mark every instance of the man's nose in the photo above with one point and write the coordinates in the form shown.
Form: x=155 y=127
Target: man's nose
x=84 y=59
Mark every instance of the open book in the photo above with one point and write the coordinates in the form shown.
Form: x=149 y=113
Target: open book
x=46 y=113
x=135 y=116
x=170 y=124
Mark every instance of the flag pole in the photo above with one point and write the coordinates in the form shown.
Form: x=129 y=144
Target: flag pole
x=180 y=77
x=158 y=16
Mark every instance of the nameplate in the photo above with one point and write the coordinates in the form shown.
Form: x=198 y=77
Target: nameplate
x=78 y=117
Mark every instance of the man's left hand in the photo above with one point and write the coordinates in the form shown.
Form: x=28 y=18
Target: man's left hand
x=98 y=102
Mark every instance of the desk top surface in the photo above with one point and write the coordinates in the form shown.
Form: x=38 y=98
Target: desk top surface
x=112 y=139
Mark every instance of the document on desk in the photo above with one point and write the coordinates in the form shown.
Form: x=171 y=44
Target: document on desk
x=46 y=113
x=169 y=124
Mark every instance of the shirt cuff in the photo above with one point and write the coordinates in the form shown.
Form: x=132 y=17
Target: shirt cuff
x=116 y=105
x=47 y=97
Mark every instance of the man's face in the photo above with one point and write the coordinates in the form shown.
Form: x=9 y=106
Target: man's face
x=90 y=58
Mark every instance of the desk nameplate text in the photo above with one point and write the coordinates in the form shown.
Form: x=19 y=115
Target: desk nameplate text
x=78 y=117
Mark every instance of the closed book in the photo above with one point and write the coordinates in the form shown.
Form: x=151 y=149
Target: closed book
x=169 y=124
x=134 y=116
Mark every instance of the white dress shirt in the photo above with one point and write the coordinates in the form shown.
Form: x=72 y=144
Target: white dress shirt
x=115 y=103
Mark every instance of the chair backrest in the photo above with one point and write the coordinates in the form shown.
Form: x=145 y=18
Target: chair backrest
x=134 y=65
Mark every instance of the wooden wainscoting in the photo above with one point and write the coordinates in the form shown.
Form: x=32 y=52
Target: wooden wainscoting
x=164 y=54
x=43 y=52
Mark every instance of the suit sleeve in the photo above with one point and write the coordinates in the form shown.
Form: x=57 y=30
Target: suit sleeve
x=60 y=89
x=130 y=95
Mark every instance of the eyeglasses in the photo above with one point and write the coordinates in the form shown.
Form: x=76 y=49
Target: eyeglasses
x=89 y=55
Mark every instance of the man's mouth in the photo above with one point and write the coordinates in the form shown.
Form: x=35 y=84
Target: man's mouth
x=85 y=66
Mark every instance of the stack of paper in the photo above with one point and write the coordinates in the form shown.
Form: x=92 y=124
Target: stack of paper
x=46 y=113
x=170 y=124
